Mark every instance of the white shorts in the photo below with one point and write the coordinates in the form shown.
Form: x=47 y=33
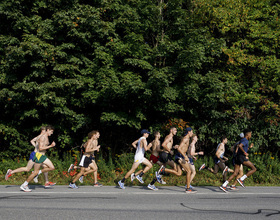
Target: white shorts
x=139 y=158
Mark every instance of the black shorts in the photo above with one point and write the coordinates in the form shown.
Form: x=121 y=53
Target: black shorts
x=164 y=157
x=85 y=161
x=240 y=159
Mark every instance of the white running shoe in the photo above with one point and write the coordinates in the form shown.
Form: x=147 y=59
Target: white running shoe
x=225 y=170
x=8 y=174
x=81 y=179
x=25 y=188
x=161 y=169
x=139 y=179
x=152 y=187
x=132 y=177
x=71 y=168
x=73 y=186
x=202 y=167
x=121 y=184
x=35 y=178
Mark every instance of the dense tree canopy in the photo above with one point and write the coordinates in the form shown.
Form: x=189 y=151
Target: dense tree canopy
x=122 y=65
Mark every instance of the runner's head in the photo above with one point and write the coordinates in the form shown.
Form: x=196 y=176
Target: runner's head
x=157 y=134
x=49 y=130
x=189 y=131
x=194 y=138
x=94 y=134
x=173 y=130
x=247 y=133
x=145 y=133
x=224 y=139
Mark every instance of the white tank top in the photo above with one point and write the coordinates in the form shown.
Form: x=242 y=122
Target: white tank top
x=140 y=150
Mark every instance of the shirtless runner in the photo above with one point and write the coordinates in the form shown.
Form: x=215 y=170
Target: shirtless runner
x=191 y=155
x=181 y=159
x=30 y=163
x=87 y=159
x=40 y=158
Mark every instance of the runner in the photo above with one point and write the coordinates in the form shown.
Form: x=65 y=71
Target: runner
x=219 y=160
x=191 y=155
x=139 y=158
x=91 y=169
x=154 y=159
x=240 y=174
x=87 y=159
x=241 y=158
x=165 y=157
x=181 y=159
x=40 y=158
x=30 y=163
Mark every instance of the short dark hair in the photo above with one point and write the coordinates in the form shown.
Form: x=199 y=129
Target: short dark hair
x=246 y=131
x=156 y=133
x=223 y=138
x=50 y=127
x=43 y=128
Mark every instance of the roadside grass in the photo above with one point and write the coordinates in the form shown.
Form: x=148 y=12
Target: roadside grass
x=110 y=171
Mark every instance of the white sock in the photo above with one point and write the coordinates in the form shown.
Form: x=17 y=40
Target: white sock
x=243 y=178
x=225 y=183
x=40 y=171
x=25 y=183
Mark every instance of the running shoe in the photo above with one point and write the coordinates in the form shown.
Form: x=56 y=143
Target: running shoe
x=121 y=184
x=132 y=177
x=152 y=187
x=241 y=182
x=71 y=168
x=25 y=188
x=232 y=187
x=73 y=186
x=161 y=170
x=159 y=180
x=225 y=170
x=8 y=174
x=81 y=179
x=189 y=190
x=49 y=184
x=223 y=188
x=202 y=167
x=97 y=184
x=35 y=178
x=191 y=187
x=139 y=178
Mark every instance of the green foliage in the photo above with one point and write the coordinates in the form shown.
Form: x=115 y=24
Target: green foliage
x=119 y=66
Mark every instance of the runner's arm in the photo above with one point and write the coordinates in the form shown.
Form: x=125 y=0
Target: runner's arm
x=33 y=141
x=164 y=144
x=144 y=144
x=134 y=143
x=240 y=146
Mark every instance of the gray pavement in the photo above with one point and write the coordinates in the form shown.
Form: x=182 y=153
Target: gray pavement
x=109 y=202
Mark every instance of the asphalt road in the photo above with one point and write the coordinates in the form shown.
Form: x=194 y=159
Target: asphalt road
x=108 y=202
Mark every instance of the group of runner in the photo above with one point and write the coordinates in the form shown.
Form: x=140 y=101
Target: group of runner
x=178 y=157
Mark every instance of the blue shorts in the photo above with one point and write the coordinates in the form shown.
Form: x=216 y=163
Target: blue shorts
x=177 y=158
x=191 y=161
x=32 y=155
x=216 y=160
